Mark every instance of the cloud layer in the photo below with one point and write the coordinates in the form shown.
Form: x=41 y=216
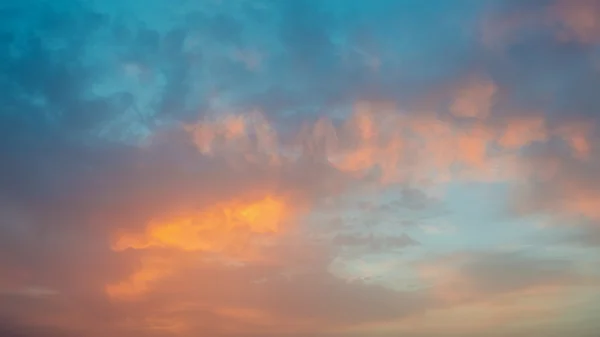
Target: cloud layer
x=300 y=168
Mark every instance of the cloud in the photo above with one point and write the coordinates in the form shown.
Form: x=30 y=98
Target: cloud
x=482 y=276
x=579 y=20
x=174 y=177
x=474 y=99
x=272 y=296
x=375 y=243
x=566 y=20
x=564 y=181
x=589 y=236
x=12 y=329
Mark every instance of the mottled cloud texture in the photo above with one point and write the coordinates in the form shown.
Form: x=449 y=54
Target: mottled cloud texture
x=299 y=168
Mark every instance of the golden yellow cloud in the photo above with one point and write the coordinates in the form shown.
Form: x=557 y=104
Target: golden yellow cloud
x=214 y=229
x=224 y=228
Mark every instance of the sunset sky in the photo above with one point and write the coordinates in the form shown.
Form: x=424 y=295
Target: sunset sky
x=302 y=168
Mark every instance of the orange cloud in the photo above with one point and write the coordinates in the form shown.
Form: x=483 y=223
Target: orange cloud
x=377 y=140
x=472 y=147
x=249 y=135
x=474 y=99
x=370 y=138
x=252 y=316
x=214 y=229
x=523 y=131
x=578 y=199
x=141 y=281
x=577 y=136
x=224 y=228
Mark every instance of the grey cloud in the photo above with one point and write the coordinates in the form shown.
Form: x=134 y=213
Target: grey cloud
x=507 y=272
x=375 y=243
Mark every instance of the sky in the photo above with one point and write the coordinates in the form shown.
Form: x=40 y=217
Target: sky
x=301 y=168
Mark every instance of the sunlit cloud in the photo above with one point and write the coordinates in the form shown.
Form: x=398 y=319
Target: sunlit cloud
x=211 y=229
